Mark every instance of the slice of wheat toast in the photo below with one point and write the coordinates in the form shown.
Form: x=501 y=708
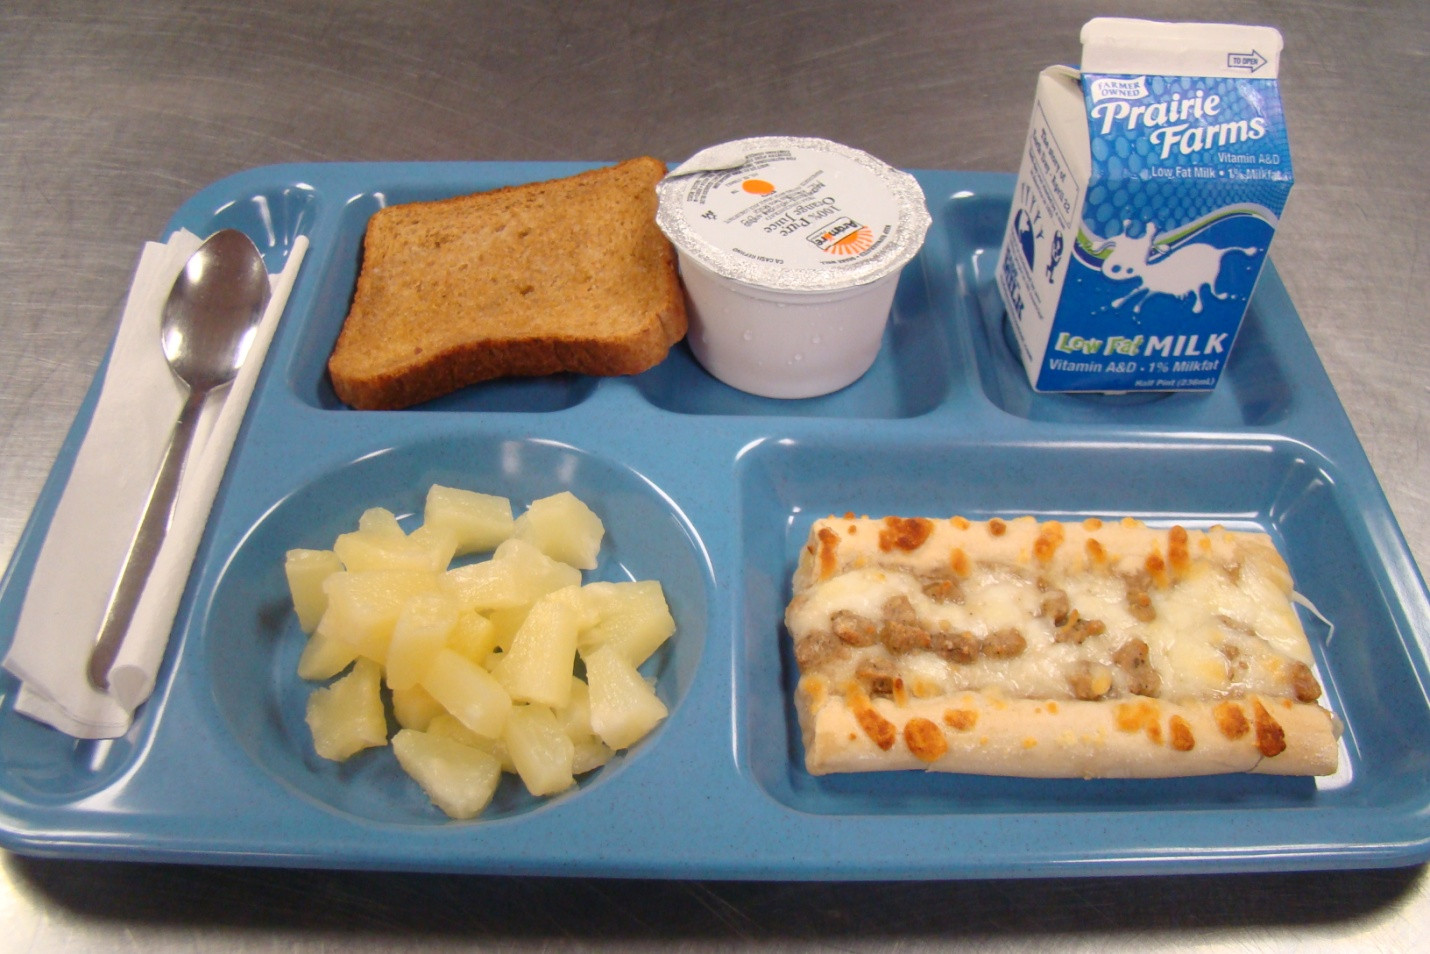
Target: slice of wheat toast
x=569 y=274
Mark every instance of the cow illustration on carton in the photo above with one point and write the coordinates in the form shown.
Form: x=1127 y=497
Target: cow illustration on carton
x=1162 y=270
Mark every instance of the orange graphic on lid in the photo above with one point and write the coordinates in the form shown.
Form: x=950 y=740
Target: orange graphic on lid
x=757 y=186
x=844 y=237
x=852 y=244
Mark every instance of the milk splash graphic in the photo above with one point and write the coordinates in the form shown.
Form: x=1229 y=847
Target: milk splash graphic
x=1151 y=186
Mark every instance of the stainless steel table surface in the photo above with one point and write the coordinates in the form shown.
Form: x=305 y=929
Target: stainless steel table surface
x=112 y=114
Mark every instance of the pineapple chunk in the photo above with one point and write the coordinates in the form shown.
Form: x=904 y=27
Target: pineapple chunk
x=505 y=624
x=421 y=631
x=537 y=667
x=633 y=618
x=590 y=754
x=474 y=636
x=478 y=521
x=414 y=708
x=575 y=715
x=447 y=725
x=575 y=720
x=518 y=574
x=306 y=570
x=347 y=716
x=380 y=521
x=542 y=753
x=468 y=692
x=325 y=654
x=382 y=549
x=364 y=606
x=458 y=779
x=439 y=541
x=564 y=528
x=623 y=705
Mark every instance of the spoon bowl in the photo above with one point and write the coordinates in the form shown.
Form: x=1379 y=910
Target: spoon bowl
x=208 y=325
x=213 y=310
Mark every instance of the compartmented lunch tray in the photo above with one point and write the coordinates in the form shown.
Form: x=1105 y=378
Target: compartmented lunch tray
x=712 y=491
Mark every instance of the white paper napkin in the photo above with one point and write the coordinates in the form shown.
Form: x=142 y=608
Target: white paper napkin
x=99 y=510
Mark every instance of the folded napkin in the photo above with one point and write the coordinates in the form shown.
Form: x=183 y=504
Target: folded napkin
x=99 y=511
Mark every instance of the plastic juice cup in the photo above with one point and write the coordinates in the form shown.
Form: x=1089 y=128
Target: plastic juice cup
x=790 y=250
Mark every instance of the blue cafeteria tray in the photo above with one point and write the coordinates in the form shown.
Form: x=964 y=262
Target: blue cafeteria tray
x=712 y=491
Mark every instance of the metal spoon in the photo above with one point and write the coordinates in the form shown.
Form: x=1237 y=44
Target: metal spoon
x=208 y=325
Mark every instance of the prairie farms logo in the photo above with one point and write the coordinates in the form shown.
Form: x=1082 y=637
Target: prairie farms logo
x=843 y=237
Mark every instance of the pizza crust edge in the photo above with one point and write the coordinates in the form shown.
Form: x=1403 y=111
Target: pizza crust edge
x=983 y=733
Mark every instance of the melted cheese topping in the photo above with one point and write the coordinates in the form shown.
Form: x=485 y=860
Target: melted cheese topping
x=1224 y=624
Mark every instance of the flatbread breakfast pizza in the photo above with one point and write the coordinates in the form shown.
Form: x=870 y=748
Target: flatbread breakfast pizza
x=1052 y=649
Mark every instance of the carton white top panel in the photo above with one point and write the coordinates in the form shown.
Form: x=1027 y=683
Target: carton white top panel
x=1120 y=45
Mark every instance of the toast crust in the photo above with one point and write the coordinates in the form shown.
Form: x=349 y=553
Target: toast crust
x=570 y=274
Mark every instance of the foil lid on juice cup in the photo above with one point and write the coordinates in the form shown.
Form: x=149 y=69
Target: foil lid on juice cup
x=793 y=214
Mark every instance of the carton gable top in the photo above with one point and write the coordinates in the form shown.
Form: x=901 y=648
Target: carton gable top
x=1122 y=45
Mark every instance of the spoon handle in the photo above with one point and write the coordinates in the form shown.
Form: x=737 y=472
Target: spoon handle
x=153 y=527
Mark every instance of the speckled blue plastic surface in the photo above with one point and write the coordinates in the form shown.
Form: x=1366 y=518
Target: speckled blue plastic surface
x=712 y=491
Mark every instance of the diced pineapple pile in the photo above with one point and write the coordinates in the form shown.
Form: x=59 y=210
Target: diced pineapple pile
x=478 y=660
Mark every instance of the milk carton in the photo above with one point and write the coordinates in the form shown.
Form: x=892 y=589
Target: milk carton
x=1151 y=184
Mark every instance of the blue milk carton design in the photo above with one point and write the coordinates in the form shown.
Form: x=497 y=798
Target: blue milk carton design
x=1151 y=185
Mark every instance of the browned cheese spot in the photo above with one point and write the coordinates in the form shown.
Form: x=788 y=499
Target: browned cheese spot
x=1231 y=720
x=961 y=719
x=1303 y=683
x=900 y=693
x=1092 y=523
x=828 y=553
x=816 y=690
x=997 y=527
x=958 y=561
x=1140 y=716
x=959 y=522
x=1178 y=554
x=1180 y=731
x=1048 y=541
x=1095 y=551
x=904 y=533
x=924 y=739
x=1156 y=569
x=1270 y=737
x=880 y=730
